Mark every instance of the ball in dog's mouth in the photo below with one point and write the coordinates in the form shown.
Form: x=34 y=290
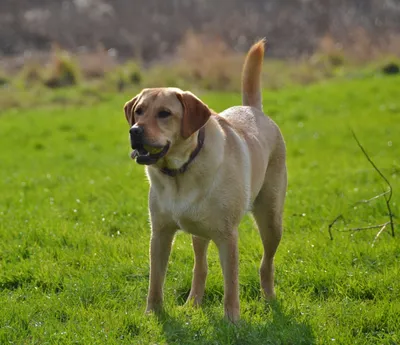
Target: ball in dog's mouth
x=148 y=155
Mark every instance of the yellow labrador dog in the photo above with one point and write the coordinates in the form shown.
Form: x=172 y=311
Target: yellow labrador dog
x=206 y=170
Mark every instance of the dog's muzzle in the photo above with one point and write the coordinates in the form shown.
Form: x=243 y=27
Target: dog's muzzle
x=143 y=153
x=136 y=134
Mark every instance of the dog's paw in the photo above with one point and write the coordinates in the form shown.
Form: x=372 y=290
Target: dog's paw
x=193 y=301
x=232 y=315
x=153 y=309
x=269 y=294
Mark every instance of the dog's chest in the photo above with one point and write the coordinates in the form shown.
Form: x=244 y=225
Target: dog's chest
x=188 y=208
x=180 y=204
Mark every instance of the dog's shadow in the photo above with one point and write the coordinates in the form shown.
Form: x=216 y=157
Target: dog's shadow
x=278 y=327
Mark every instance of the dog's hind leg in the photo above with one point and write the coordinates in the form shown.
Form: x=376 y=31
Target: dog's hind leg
x=200 y=246
x=268 y=211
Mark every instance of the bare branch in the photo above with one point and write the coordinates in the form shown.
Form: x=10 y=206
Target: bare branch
x=383 y=177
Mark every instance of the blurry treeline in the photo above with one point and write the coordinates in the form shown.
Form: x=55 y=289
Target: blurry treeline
x=152 y=29
x=108 y=45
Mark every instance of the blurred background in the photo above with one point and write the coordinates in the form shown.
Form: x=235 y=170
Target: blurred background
x=115 y=44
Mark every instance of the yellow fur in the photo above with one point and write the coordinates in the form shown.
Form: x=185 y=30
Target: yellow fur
x=251 y=75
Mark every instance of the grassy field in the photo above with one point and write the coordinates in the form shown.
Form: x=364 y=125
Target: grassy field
x=74 y=229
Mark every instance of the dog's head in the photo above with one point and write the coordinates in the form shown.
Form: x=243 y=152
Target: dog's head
x=161 y=119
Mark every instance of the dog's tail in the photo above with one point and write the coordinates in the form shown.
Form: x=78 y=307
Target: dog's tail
x=251 y=75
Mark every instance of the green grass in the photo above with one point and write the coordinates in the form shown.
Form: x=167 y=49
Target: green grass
x=74 y=229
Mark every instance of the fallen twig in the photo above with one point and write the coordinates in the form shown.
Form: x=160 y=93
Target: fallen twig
x=379 y=233
x=387 y=195
x=364 y=227
x=390 y=191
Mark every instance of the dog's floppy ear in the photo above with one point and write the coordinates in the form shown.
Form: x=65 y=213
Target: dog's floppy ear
x=128 y=107
x=195 y=113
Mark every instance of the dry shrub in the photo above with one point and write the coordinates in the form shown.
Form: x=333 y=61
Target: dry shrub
x=207 y=62
x=64 y=71
x=95 y=65
x=324 y=63
x=169 y=74
x=329 y=52
x=128 y=74
x=4 y=80
x=393 y=45
x=360 y=46
x=210 y=62
x=32 y=73
x=131 y=72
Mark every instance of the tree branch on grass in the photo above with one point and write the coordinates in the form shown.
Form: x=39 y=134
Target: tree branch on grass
x=387 y=195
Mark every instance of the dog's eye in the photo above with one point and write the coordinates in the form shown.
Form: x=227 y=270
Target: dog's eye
x=138 y=111
x=164 y=113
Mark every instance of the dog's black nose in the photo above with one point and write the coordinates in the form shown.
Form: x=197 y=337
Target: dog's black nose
x=136 y=132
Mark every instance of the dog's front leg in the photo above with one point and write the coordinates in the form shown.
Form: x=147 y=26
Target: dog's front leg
x=229 y=257
x=160 y=248
x=200 y=268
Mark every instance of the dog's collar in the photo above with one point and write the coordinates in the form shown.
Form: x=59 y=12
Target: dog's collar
x=183 y=168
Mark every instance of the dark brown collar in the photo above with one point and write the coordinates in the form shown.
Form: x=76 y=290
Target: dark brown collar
x=183 y=168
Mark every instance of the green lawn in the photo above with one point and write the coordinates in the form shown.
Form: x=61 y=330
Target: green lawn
x=74 y=229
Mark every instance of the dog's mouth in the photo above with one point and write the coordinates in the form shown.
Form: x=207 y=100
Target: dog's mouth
x=148 y=155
